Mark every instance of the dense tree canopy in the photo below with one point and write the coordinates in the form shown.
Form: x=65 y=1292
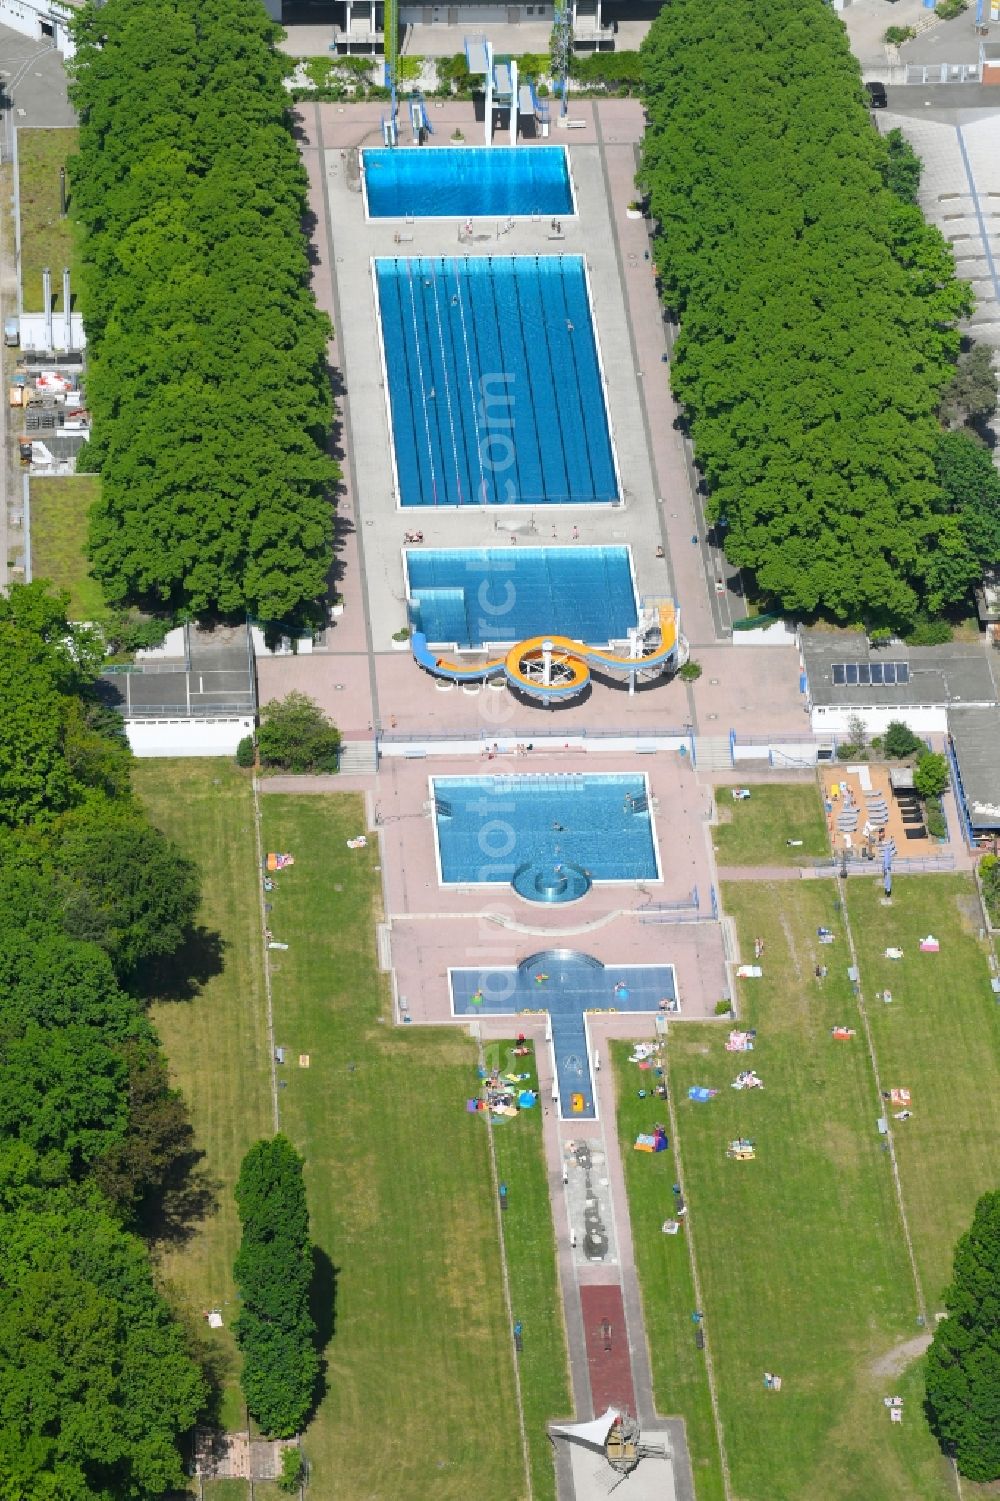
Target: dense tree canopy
x=206 y=353
x=963 y=1364
x=95 y=1384
x=971 y=488
x=273 y=1270
x=816 y=309
x=124 y=885
x=94 y=1378
x=45 y=665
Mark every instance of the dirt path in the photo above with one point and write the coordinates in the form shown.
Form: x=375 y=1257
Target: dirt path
x=895 y=1361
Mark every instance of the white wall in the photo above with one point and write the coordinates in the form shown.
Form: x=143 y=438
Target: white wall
x=778 y=633
x=788 y=753
x=187 y=737
x=924 y=719
x=544 y=745
x=26 y=16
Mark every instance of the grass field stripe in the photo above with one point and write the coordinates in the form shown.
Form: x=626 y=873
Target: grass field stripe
x=699 y=1301
x=264 y=953
x=870 y=1044
x=525 y=1454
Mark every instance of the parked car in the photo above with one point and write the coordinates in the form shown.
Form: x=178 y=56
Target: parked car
x=877 y=96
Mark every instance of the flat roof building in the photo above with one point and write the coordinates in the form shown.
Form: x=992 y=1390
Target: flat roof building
x=194 y=696
x=846 y=678
x=975 y=745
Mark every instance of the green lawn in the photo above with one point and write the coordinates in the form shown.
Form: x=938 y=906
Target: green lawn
x=663 y=1261
x=420 y=1388
x=216 y=1042
x=530 y=1246
x=46 y=238
x=420 y=1398
x=59 y=512
x=940 y=1038
x=756 y=830
x=800 y=1253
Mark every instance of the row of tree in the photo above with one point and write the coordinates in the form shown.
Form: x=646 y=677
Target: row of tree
x=273 y=1270
x=817 y=314
x=207 y=374
x=96 y=1382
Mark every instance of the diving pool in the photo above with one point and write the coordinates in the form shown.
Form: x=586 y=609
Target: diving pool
x=550 y=836
x=567 y=985
x=460 y=182
x=496 y=395
x=468 y=597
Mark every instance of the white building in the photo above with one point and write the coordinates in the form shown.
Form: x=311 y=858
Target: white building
x=42 y=21
x=194 y=696
x=845 y=679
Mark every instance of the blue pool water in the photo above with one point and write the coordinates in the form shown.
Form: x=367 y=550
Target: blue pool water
x=566 y=985
x=492 y=828
x=494 y=383
x=468 y=597
x=458 y=182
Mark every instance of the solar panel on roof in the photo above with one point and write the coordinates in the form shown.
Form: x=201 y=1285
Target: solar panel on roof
x=851 y=668
x=889 y=672
x=902 y=672
x=876 y=672
x=838 y=673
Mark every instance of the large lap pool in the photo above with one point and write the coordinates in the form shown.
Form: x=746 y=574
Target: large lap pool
x=460 y=182
x=549 y=836
x=567 y=985
x=495 y=388
x=468 y=597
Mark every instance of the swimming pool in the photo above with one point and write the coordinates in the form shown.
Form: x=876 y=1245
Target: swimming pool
x=459 y=182
x=494 y=381
x=540 y=833
x=467 y=597
x=567 y=985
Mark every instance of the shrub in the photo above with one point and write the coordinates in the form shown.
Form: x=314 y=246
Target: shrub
x=937 y=824
x=690 y=672
x=989 y=876
x=246 y=752
x=897 y=35
x=900 y=740
x=947 y=10
x=847 y=752
x=409 y=70
x=931 y=775
x=292 y=1472
x=929 y=633
x=295 y=735
x=723 y=1007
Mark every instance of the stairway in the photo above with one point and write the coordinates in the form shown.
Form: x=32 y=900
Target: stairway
x=358 y=758
x=712 y=753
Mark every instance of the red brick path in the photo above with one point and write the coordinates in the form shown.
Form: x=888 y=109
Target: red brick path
x=607 y=1348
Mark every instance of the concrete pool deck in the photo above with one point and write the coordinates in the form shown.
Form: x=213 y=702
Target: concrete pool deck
x=355 y=673
x=635 y=521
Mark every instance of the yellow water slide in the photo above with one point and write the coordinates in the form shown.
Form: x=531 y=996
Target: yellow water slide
x=556 y=667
